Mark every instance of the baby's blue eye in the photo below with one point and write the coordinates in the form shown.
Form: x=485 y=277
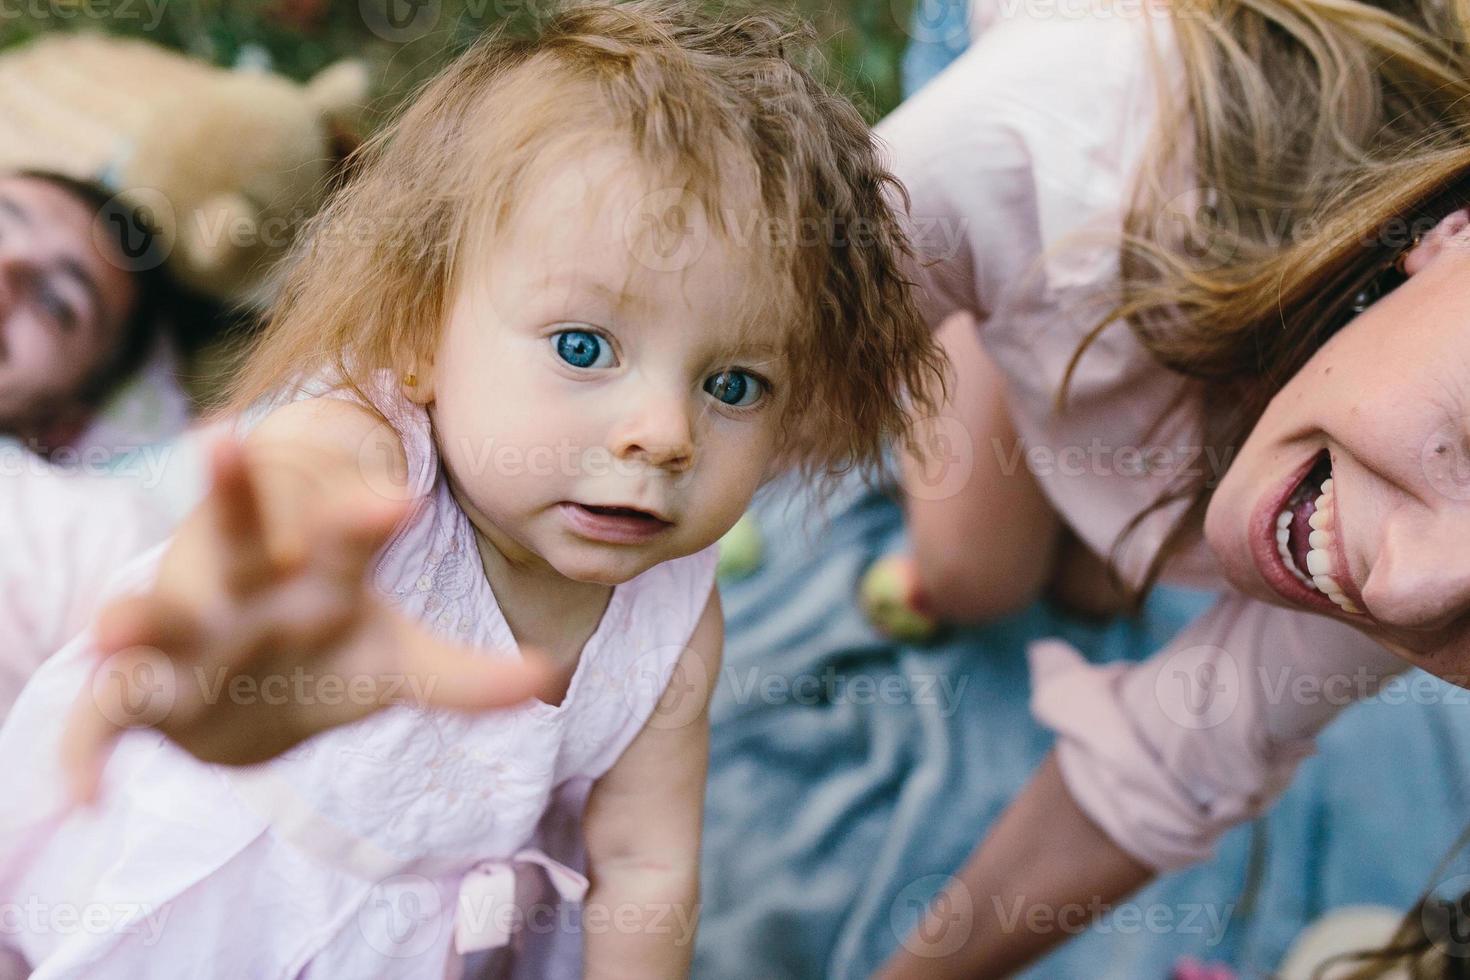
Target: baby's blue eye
x=735 y=388
x=582 y=349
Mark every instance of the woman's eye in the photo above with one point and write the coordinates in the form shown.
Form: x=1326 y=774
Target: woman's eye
x=583 y=349
x=735 y=388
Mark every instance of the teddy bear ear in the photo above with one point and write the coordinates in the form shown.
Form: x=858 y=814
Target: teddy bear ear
x=339 y=93
x=210 y=244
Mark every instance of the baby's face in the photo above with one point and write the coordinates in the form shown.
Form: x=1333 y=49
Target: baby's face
x=596 y=404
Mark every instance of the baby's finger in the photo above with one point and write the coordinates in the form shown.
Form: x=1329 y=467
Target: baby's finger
x=443 y=675
x=235 y=507
x=86 y=743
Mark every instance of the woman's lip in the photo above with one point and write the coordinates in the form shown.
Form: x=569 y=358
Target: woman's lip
x=1263 y=546
x=1342 y=572
x=609 y=528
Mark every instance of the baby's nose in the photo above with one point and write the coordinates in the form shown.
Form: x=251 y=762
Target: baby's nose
x=657 y=430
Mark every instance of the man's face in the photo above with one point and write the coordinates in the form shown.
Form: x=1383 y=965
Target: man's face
x=64 y=305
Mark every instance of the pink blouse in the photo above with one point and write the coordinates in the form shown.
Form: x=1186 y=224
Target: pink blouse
x=1019 y=160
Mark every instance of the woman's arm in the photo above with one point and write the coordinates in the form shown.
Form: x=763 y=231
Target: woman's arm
x=983 y=534
x=643 y=827
x=1032 y=883
x=1154 y=761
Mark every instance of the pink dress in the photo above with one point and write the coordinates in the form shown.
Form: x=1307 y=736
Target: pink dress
x=1020 y=160
x=384 y=848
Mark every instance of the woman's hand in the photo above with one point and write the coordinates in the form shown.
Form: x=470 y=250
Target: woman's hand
x=247 y=646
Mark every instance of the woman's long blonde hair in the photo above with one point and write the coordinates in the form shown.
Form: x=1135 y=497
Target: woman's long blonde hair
x=1314 y=125
x=1327 y=136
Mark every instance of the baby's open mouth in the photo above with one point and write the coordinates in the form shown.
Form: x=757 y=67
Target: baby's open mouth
x=614 y=523
x=630 y=512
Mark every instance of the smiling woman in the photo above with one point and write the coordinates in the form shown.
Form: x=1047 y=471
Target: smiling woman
x=1366 y=446
x=1212 y=244
x=78 y=308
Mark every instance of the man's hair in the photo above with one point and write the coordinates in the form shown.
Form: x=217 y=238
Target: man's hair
x=156 y=295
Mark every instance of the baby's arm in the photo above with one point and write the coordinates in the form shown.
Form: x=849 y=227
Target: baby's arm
x=643 y=828
x=983 y=546
x=267 y=583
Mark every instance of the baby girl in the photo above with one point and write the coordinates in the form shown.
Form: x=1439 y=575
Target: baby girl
x=586 y=295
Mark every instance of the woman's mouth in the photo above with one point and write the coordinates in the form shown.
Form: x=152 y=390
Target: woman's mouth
x=612 y=524
x=1296 y=543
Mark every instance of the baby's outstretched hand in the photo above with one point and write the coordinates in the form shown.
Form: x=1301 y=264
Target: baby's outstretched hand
x=242 y=659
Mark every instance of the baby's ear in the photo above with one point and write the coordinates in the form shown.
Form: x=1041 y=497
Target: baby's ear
x=1450 y=232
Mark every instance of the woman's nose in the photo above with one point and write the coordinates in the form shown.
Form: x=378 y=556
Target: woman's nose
x=1420 y=578
x=658 y=430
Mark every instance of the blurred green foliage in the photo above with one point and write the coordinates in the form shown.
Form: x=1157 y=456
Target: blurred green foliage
x=404 y=41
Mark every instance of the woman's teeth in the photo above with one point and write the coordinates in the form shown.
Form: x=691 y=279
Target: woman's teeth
x=1319 y=559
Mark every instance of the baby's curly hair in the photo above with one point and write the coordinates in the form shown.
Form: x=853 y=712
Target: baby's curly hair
x=369 y=286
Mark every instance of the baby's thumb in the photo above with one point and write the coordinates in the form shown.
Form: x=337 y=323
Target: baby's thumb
x=86 y=744
x=134 y=687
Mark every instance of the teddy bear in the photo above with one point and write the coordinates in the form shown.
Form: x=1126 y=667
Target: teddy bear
x=222 y=165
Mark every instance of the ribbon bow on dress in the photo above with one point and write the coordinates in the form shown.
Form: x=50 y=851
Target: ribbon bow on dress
x=490 y=887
